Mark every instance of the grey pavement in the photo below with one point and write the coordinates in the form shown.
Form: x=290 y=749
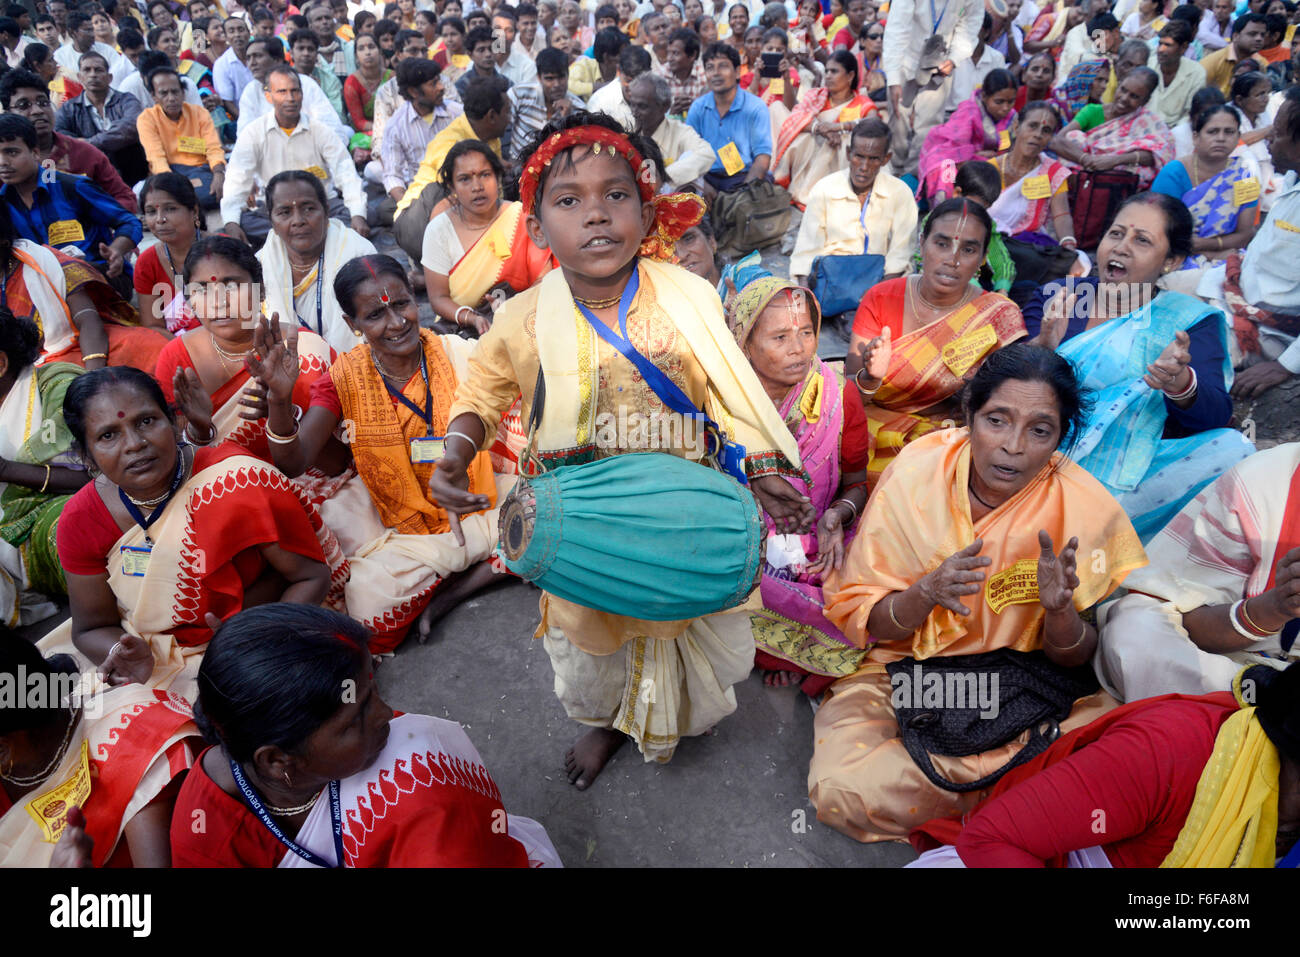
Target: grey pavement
x=737 y=797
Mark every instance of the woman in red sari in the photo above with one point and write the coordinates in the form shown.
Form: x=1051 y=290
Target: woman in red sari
x=168 y=538
x=299 y=776
x=90 y=778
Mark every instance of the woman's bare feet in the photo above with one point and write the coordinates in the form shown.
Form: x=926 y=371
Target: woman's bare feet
x=782 y=679
x=589 y=755
x=451 y=592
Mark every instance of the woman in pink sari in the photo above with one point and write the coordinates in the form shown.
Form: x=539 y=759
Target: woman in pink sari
x=1127 y=136
x=980 y=126
x=776 y=324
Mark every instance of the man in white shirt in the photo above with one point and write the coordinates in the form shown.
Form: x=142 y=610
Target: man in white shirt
x=12 y=41
x=529 y=40
x=612 y=97
x=1269 y=280
x=687 y=155
x=1215 y=31
x=265 y=54
x=230 y=74
x=923 y=44
x=970 y=73
x=1180 y=77
x=863 y=209
x=68 y=56
x=264 y=148
x=517 y=66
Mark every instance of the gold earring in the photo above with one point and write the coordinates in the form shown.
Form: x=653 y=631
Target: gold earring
x=357 y=333
x=287 y=782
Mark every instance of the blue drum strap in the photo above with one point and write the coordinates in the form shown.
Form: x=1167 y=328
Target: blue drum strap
x=730 y=455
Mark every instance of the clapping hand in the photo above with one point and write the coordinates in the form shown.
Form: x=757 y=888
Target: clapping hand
x=959 y=575
x=193 y=400
x=875 y=355
x=1056 y=319
x=1056 y=573
x=274 y=359
x=1170 y=372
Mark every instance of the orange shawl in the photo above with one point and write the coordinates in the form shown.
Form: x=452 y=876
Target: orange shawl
x=382 y=431
x=807 y=109
x=920 y=515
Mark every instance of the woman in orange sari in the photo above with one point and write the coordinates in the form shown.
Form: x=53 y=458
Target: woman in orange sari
x=957 y=555
x=812 y=143
x=917 y=339
x=477 y=253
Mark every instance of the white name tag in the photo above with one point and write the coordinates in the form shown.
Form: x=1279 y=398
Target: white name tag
x=135 y=560
x=427 y=450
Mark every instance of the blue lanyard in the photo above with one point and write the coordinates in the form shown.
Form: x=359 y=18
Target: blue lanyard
x=730 y=455
x=937 y=19
x=320 y=316
x=138 y=516
x=257 y=807
x=426 y=416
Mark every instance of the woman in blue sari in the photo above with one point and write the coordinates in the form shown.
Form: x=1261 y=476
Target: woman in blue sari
x=1219 y=185
x=1156 y=361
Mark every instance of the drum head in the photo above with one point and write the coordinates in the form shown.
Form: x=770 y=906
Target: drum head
x=518 y=518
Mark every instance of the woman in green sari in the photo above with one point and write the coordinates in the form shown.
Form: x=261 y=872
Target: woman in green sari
x=38 y=471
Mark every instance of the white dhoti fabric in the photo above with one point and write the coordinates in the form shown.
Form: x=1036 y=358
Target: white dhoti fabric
x=656 y=691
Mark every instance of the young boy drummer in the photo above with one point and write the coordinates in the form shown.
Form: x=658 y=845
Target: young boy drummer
x=587 y=196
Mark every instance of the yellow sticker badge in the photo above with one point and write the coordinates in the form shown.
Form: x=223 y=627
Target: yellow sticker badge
x=1017 y=585
x=51 y=808
x=731 y=161
x=1004 y=140
x=192 y=144
x=65 y=231
x=319 y=173
x=1036 y=187
x=962 y=353
x=777 y=86
x=1245 y=191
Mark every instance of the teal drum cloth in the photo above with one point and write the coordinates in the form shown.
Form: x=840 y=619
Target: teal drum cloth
x=646 y=535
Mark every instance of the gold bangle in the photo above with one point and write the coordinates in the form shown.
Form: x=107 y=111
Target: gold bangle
x=281 y=439
x=1083 y=632
x=94 y=355
x=46 y=484
x=1242 y=610
x=866 y=393
x=897 y=624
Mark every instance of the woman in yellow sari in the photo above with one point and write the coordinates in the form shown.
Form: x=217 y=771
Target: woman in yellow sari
x=812 y=141
x=917 y=339
x=957 y=555
x=477 y=253
x=90 y=774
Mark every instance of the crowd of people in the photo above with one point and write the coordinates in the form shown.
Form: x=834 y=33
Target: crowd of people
x=966 y=471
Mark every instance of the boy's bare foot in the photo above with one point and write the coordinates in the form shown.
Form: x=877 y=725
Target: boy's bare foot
x=782 y=679
x=589 y=754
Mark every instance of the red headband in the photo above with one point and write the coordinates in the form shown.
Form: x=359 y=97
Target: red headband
x=674 y=214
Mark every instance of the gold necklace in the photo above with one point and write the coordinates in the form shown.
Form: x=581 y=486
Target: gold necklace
x=26 y=781
x=384 y=372
x=932 y=307
x=235 y=357
x=291 y=811
x=599 y=303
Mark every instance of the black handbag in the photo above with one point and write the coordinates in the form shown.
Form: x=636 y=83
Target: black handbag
x=936 y=713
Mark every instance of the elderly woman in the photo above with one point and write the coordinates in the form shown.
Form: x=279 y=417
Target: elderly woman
x=408 y=791
x=811 y=142
x=1034 y=203
x=1158 y=363
x=1219 y=184
x=697 y=252
x=477 y=252
x=123 y=751
x=917 y=338
x=980 y=126
x=776 y=324
x=393 y=389
x=303 y=254
x=1210 y=781
x=1222 y=590
x=958 y=556
x=38 y=471
x=169 y=538
x=1122 y=135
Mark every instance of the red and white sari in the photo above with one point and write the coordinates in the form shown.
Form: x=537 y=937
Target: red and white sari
x=129 y=745
x=205 y=556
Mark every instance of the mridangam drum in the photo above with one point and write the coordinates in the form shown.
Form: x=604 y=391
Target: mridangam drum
x=645 y=534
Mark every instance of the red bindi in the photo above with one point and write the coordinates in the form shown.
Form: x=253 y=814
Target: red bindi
x=121 y=415
x=213 y=279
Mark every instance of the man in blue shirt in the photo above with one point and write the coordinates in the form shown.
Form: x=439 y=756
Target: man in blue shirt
x=734 y=121
x=61 y=209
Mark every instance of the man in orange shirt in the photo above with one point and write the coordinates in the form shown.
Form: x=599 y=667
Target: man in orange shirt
x=180 y=137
